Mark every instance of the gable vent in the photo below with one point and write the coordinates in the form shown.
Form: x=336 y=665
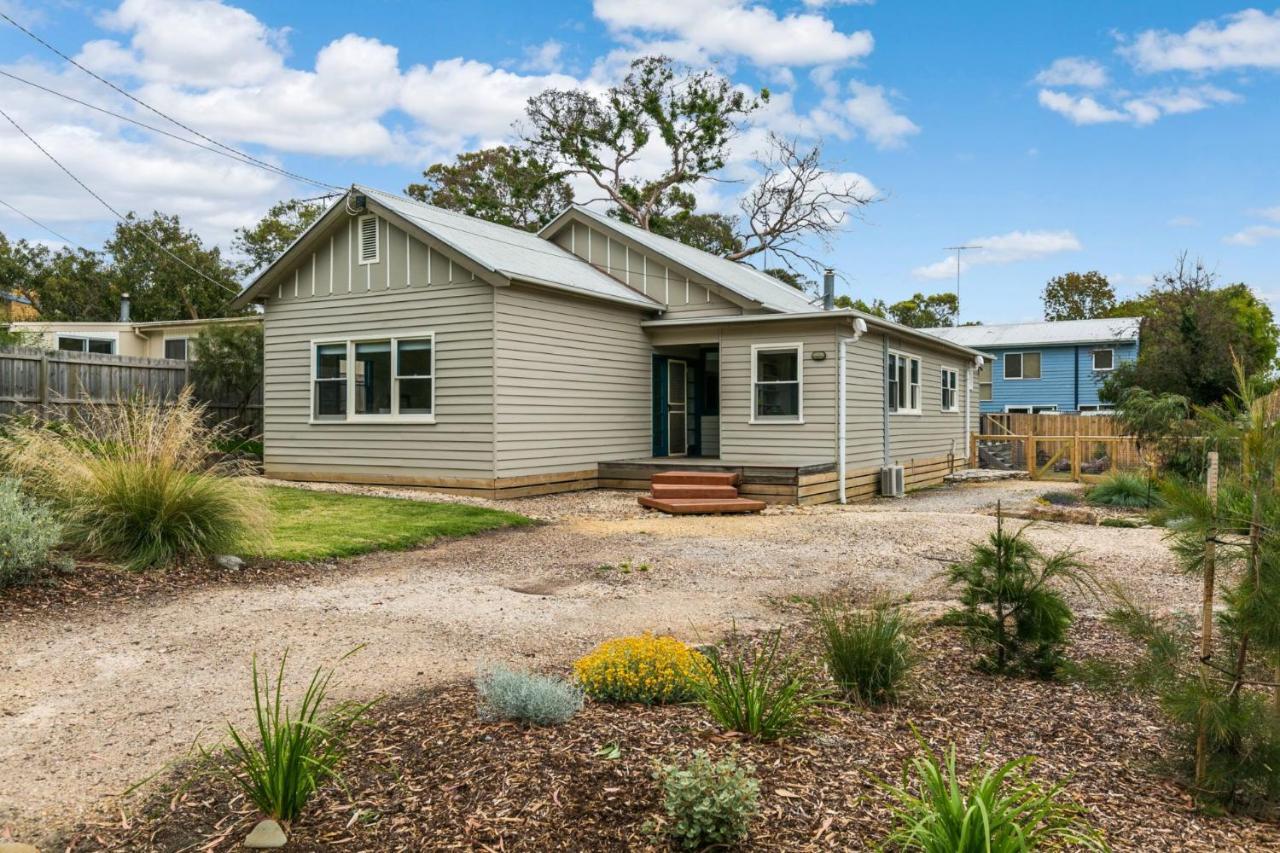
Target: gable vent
x=368 y=226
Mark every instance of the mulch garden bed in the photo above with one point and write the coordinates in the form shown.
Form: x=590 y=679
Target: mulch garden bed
x=427 y=774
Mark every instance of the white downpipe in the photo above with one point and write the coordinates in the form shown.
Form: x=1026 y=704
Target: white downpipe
x=968 y=407
x=842 y=414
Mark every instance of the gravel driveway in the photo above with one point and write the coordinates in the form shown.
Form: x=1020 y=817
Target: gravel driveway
x=99 y=698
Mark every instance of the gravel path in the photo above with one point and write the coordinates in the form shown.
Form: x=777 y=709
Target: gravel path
x=99 y=698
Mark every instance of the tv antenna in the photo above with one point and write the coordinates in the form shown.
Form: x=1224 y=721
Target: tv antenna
x=958 y=250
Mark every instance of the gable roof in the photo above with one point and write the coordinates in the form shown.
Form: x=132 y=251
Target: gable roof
x=744 y=280
x=1054 y=332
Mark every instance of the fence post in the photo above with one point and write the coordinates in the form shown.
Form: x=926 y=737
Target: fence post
x=1075 y=457
x=43 y=384
x=1206 y=612
x=1031 y=455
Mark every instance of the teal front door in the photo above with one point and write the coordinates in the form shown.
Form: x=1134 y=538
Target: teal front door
x=677 y=407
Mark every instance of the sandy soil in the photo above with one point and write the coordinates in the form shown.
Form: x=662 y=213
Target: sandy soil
x=100 y=698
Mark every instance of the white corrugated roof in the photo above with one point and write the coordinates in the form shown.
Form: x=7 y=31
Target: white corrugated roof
x=514 y=253
x=1109 y=330
x=740 y=278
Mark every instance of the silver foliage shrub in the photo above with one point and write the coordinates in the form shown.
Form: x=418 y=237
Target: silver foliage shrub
x=507 y=694
x=28 y=532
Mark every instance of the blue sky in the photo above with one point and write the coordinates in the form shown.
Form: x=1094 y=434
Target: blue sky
x=1080 y=136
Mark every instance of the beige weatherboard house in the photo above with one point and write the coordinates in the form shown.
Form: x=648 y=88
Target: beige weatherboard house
x=406 y=344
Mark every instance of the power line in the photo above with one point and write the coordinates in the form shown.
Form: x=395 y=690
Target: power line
x=40 y=224
x=108 y=206
x=163 y=115
x=234 y=156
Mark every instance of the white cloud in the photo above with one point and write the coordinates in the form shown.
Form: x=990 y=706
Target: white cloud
x=734 y=28
x=1074 y=71
x=1007 y=248
x=1272 y=213
x=1079 y=109
x=869 y=111
x=1253 y=235
x=1247 y=39
x=1184 y=222
x=542 y=58
x=1142 y=109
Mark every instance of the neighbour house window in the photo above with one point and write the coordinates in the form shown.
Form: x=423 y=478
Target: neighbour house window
x=904 y=384
x=1096 y=409
x=1104 y=359
x=950 y=399
x=776 y=379
x=390 y=379
x=175 y=348
x=1031 y=410
x=985 y=385
x=1022 y=365
x=76 y=343
x=368 y=230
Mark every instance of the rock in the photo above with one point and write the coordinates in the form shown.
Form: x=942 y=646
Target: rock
x=15 y=847
x=229 y=562
x=267 y=835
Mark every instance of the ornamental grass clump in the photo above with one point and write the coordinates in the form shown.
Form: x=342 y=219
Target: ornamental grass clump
x=29 y=531
x=868 y=653
x=1126 y=491
x=647 y=668
x=709 y=804
x=505 y=694
x=139 y=481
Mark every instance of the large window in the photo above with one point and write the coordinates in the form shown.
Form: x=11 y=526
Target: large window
x=904 y=384
x=1022 y=365
x=950 y=383
x=985 y=385
x=78 y=343
x=776 y=380
x=1104 y=359
x=392 y=379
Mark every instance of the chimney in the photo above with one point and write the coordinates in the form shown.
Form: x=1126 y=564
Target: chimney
x=828 y=289
x=124 y=308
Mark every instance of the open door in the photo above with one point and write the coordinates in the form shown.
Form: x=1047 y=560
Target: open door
x=677 y=407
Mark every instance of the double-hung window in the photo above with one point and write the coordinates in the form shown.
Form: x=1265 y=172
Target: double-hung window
x=777 y=383
x=383 y=379
x=950 y=383
x=904 y=384
x=1022 y=365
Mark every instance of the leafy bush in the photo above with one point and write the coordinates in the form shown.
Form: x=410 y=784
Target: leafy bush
x=645 y=669
x=1125 y=490
x=1061 y=498
x=138 y=481
x=296 y=752
x=538 y=699
x=1009 y=608
x=708 y=803
x=868 y=654
x=762 y=694
x=28 y=532
x=998 y=810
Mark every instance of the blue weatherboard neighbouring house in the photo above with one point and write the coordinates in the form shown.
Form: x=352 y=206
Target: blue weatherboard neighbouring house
x=1053 y=366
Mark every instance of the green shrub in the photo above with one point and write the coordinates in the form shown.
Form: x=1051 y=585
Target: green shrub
x=644 y=668
x=538 y=699
x=1061 y=498
x=1127 y=523
x=139 y=481
x=708 y=803
x=762 y=695
x=998 y=810
x=28 y=532
x=1010 y=611
x=297 y=750
x=1125 y=490
x=868 y=654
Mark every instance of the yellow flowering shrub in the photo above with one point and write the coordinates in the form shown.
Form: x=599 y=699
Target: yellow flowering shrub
x=645 y=669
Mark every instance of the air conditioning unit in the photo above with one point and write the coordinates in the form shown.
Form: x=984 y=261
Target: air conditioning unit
x=892 y=481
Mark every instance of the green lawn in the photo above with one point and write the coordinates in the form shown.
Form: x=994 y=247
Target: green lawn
x=309 y=525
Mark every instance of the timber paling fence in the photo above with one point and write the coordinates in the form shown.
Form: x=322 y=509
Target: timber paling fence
x=54 y=383
x=1054 y=447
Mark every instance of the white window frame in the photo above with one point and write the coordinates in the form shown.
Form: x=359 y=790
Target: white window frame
x=918 y=384
x=954 y=388
x=112 y=338
x=798 y=418
x=1022 y=365
x=164 y=346
x=377 y=241
x=1026 y=409
x=394 y=416
x=1093 y=356
x=1096 y=409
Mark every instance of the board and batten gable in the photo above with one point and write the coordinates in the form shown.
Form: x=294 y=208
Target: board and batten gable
x=327 y=294
x=641 y=270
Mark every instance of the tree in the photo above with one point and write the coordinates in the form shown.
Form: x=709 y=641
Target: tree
x=67 y=284
x=197 y=286
x=675 y=217
x=877 y=307
x=1078 y=296
x=926 y=312
x=267 y=240
x=510 y=186
x=227 y=362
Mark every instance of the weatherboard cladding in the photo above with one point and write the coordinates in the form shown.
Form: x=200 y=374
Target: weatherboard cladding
x=1057 y=385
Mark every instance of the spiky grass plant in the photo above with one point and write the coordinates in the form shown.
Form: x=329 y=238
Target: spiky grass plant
x=138 y=481
x=989 y=810
x=1126 y=491
x=297 y=749
x=761 y=694
x=868 y=653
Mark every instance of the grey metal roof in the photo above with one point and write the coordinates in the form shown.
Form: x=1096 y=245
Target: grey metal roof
x=511 y=252
x=740 y=278
x=1109 y=330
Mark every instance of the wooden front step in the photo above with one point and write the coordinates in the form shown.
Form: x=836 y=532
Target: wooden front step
x=697 y=478
x=692 y=490
x=701 y=506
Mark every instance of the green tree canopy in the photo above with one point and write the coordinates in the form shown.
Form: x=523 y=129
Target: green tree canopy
x=162 y=287
x=63 y=284
x=510 y=186
x=876 y=307
x=227 y=362
x=925 y=312
x=267 y=240
x=1078 y=296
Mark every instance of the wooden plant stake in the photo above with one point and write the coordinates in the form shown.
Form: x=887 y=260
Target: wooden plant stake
x=1206 y=613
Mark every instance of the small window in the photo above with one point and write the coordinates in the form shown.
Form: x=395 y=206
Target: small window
x=175 y=348
x=1104 y=359
x=777 y=382
x=414 y=380
x=1022 y=365
x=368 y=228
x=985 y=385
x=950 y=382
x=904 y=384
x=1097 y=409
x=75 y=343
x=373 y=378
x=331 y=381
